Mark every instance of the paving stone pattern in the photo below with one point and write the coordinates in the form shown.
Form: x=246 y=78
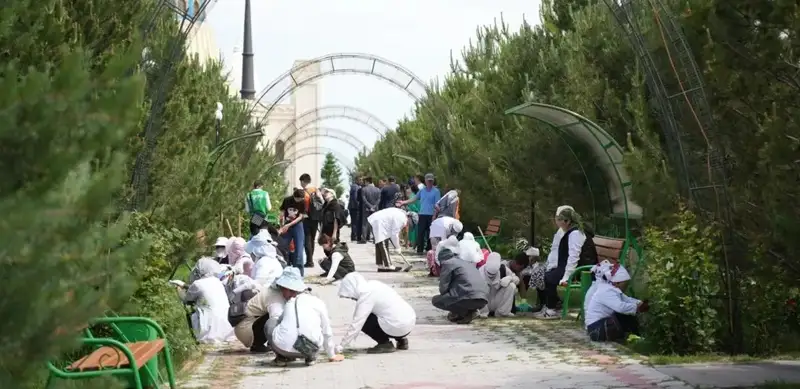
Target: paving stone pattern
x=488 y=354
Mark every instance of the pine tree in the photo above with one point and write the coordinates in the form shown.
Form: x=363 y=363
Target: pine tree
x=331 y=174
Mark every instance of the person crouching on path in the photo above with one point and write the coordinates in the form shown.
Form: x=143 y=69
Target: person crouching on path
x=441 y=229
x=386 y=226
x=305 y=327
x=207 y=293
x=261 y=316
x=610 y=313
x=502 y=287
x=380 y=313
x=463 y=291
x=337 y=263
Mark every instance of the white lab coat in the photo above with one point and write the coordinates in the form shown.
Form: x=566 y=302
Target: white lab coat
x=575 y=241
x=210 y=319
x=444 y=226
x=606 y=300
x=501 y=290
x=395 y=316
x=387 y=224
x=315 y=324
x=469 y=249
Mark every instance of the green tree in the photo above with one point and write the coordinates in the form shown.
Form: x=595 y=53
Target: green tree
x=331 y=174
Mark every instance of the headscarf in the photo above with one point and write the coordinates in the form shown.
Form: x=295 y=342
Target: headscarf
x=608 y=273
x=261 y=246
x=353 y=286
x=205 y=267
x=447 y=249
x=236 y=248
x=469 y=250
x=492 y=269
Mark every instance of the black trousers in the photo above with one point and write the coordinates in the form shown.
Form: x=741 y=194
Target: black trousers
x=423 y=232
x=460 y=308
x=551 y=280
x=254 y=229
x=372 y=329
x=310 y=231
x=355 y=225
x=613 y=328
x=382 y=257
x=259 y=335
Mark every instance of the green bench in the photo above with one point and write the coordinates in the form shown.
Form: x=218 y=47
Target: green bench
x=130 y=359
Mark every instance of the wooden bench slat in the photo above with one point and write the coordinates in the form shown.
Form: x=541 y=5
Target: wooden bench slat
x=493 y=223
x=109 y=357
x=600 y=241
x=491 y=231
x=607 y=253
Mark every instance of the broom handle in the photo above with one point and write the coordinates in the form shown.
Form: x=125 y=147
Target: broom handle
x=229 y=226
x=484 y=240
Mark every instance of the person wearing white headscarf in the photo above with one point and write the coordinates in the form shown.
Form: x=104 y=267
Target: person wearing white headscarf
x=380 y=313
x=565 y=252
x=610 y=315
x=262 y=248
x=502 y=287
x=442 y=228
x=239 y=258
x=221 y=250
x=207 y=293
x=470 y=250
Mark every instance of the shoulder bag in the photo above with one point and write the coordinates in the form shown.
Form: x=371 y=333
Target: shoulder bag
x=303 y=345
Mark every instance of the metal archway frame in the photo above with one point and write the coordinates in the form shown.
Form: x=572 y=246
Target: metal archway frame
x=302 y=74
x=326 y=132
x=307 y=151
x=335 y=112
x=607 y=152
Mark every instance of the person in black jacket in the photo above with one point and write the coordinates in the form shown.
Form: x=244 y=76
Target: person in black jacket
x=332 y=214
x=354 y=209
x=337 y=262
x=389 y=194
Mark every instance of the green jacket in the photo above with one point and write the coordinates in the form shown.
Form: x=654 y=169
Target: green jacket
x=257 y=201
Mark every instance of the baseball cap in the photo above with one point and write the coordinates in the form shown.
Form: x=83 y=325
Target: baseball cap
x=429 y=177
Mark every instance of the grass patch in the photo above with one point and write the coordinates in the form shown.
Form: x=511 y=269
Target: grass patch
x=644 y=349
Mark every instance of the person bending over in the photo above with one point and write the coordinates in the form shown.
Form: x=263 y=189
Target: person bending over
x=380 y=313
x=610 y=314
x=261 y=316
x=463 y=291
x=337 y=262
x=386 y=226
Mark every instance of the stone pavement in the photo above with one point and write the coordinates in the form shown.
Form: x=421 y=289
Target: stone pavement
x=488 y=354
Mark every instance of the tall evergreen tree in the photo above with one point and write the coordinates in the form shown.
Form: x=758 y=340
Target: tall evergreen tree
x=331 y=174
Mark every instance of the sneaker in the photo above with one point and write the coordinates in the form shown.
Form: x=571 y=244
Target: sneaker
x=382 y=348
x=453 y=317
x=280 y=361
x=408 y=268
x=311 y=361
x=469 y=318
x=547 y=314
x=402 y=344
x=259 y=349
x=310 y=264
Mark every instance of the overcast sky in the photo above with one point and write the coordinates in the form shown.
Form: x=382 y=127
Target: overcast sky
x=417 y=34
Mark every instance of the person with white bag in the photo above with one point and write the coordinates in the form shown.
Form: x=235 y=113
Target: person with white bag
x=207 y=293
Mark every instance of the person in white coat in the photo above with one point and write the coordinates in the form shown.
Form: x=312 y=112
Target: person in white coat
x=262 y=315
x=442 y=228
x=469 y=249
x=380 y=313
x=263 y=250
x=386 y=226
x=207 y=294
x=305 y=322
x=502 y=287
x=239 y=258
x=610 y=315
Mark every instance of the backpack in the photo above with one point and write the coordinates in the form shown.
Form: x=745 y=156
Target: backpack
x=502 y=271
x=588 y=254
x=315 y=204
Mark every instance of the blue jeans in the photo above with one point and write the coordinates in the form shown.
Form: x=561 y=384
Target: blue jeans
x=297 y=234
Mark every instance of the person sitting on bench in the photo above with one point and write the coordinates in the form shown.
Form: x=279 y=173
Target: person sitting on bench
x=463 y=291
x=337 y=262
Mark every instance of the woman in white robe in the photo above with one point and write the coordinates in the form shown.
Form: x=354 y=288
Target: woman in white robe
x=267 y=268
x=610 y=315
x=502 y=287
x=380 y=313
x=210 y=319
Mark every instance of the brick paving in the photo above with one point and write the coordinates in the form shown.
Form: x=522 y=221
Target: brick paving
x=488 y=354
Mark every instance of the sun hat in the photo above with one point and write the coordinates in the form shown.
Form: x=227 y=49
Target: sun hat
x=292 y=281
x=221 y=242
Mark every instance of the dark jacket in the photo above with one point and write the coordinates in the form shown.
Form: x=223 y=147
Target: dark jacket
x=459 y=279
x=388 y=195
x=371 y=197
x=352 y=204
x=346 y=265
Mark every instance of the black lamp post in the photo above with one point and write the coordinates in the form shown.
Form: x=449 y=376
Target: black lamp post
x=218 y=117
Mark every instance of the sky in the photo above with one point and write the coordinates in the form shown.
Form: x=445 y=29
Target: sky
x=416 y=34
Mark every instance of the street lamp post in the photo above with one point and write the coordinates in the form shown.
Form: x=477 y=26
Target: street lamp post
x=218 y=116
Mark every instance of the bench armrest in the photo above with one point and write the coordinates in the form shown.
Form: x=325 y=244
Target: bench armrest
x=130 y=319
x=578 y=270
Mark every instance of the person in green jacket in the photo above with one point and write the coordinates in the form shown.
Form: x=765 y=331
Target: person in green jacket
x=257 y=205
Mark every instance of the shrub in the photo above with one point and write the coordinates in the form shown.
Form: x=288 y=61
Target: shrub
x=682 y=283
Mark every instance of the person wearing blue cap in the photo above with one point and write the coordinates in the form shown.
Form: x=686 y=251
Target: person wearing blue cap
x=261 y=315
x=305 y=327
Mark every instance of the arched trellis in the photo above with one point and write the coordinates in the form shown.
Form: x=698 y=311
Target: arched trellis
x=334 y=112
x=307 y=151
x=325 y=132
x=307 y=72
x=608 y=156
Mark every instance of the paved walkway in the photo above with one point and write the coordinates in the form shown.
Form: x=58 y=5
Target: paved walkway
x=488 y=354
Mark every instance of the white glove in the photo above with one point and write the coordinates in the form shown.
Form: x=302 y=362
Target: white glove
x=506 y=281
x=338 y=349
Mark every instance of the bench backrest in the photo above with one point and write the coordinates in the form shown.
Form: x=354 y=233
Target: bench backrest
x=493 y=228
x=608 y=248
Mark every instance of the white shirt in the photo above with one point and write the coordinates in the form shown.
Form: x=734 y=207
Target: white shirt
x=242 y=263
x=336 y=259
x=387 y=224
x=315 y=324
x=442 y=227
x=210 y=320
x=605 y=301
x=395 y=316
x=575 y=242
